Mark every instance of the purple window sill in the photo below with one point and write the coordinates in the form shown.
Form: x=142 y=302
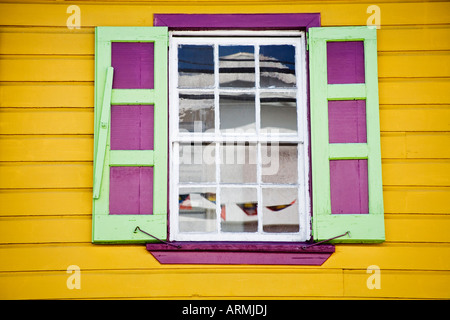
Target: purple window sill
x=239 y=253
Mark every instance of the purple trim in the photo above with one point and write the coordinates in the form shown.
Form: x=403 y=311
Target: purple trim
x=132 y=127
x=349 y=187
x=345 y=62
x=131 y=190
x=347 y=121
x=238 y=21
x=256 y=253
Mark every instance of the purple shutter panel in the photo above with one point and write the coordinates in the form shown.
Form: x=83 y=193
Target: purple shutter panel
x=132 y=128
x=347 y=124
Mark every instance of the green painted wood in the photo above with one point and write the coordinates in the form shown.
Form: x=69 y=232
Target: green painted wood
x=120 y=228
x=362 y=227
x=125 y=158
x=133 y=96
x=103 y=132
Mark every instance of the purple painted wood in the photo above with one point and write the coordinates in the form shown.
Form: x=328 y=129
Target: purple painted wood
x=294 y=247
x=347 y=121
x=133 y=65
x=238 y=21
x=349 y=187
x=240 y=258
x=131 y=190
x=345 y=62
x=132 y=127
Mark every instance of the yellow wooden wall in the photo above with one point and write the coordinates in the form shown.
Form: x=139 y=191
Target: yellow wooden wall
x=46 y=143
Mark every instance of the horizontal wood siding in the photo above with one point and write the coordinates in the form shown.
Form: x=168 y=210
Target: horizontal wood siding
x=46 y=154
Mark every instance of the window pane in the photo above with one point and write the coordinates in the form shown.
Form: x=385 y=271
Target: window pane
x=197 y=162
x=195 y=66
x=196 y=112
x=197 y=207
x=237 y=113
x=280 y=211
x=277 y=66
x=279 y=163
x=238 y=163
x=278 y=112
x=236 y=66
x=239 y=211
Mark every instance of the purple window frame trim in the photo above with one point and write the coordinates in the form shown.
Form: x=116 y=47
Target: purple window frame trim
x=255 y=253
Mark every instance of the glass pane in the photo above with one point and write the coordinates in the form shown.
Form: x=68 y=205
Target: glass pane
x=237 y=113
x=197 y=162
x=239 y=211
x=280 y=211
x=238 y=163
x=279 y=163
x=278 y=112
x=195 y=66
x=237 y=66
x=197 y=209
x=277 y=66
x=196 y=112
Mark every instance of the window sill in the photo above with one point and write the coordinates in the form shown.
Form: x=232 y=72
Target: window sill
x=241 y=253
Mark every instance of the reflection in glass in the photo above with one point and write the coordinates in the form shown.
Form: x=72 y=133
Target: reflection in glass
x=236 y=66
x=197 y=208
x=197 y=162
x=237 y=113
x=238 y=162
x=239 y=210
x=278 y=112
x=280 y=211
x=277 y=66
x=279 y=163
x=196 y=112
x=195 y=66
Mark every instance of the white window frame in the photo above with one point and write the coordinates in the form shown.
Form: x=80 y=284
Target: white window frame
x=301 y=137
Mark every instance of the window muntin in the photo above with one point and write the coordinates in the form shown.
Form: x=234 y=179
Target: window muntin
x=238 y=136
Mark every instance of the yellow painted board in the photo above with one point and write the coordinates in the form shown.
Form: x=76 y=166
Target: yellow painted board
x=416 y=200
x=46 y=175
x=413 y=38
x=414 y=64
x=46 y=68
x=399 y=256
x=26 y=202
x=399 y=284
x=55 y=257
x=53 y=40
x=44 y=229
x=47 y=121
x=81 y=67
x=430 y=91
x=425 y=172
x=414 y=118
x=417 y=228
x=50 y=94
x=19 y=40
x=415 y=145
x=198 y=283
x=46 y=148
x=138 y=14
x=409 y=91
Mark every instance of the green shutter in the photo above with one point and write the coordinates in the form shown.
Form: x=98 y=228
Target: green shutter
x=120 y=228
x=361 y=227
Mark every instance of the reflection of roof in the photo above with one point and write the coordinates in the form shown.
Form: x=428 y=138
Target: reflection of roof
x=239 y=70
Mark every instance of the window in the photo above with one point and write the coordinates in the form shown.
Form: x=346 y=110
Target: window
x=239 y=136
x=237 y=100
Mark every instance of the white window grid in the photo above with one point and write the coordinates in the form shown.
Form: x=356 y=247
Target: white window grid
x=300 y=138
